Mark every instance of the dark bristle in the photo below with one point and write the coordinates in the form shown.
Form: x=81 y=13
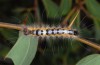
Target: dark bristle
x=63 y=32
x=57 y=31
x=47 y=32
x=41 y=33
x=37 y=32
x=41 y=30
x=76 y=32
x=52 y=31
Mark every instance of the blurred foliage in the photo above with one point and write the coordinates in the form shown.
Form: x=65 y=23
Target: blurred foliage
x=52 y=12
x=93 y=7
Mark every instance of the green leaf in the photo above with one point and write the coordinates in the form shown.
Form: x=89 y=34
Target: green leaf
x=24 y=50
x=65 y=7
x=54 y=11
x=93 y=7
x=93 y=59
x=51 y=8
x=97 y=29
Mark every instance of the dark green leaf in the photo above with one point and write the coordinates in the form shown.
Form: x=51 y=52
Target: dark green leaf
x=93 y=7
x=10 y=35
x=65 y=7
x=51 y=8
x=97 y=29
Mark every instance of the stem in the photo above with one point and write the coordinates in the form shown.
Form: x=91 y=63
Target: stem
x=11 y=26
x=68 y=16
x=37 y=12
x=89 y=43
x=81 y=3
x=72 y=22
x=94 y=45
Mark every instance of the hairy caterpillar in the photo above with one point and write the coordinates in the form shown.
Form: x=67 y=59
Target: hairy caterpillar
x=50 y=31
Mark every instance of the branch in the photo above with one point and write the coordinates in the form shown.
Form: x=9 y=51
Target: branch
x=72 y=22
x=11 y=26
x=94 y=45
x=68 y=16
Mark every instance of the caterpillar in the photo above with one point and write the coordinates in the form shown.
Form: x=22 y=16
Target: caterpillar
x=50 y=31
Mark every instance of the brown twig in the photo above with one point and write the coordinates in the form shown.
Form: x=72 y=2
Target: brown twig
x=10 y=26
x=68 y=16
x=81 y=3
x=89 y=43
x=94 y=45
x=72 y=22
x=37 y=13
